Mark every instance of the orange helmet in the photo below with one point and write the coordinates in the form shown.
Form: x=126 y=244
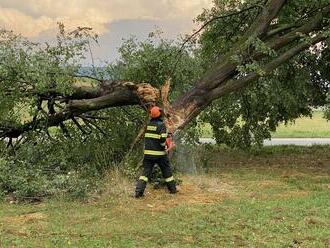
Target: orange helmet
x=155 y=112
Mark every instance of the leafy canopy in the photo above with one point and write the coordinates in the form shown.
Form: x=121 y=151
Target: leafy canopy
x=31 y=73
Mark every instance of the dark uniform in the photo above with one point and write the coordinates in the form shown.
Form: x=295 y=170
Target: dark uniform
x=155 y=153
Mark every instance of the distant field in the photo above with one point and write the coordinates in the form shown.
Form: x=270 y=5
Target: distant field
x=276 y=197
x=316 y=127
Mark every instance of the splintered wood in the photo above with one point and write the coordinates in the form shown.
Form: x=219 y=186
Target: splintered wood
x=147 y=94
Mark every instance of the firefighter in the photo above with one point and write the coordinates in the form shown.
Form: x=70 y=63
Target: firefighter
x=156 y=145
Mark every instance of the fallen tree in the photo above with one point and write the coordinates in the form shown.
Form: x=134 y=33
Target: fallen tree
x=269 y=34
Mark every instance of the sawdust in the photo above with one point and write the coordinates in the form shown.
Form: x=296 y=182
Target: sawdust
x=189 y=193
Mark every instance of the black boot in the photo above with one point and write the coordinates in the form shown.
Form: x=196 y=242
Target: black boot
x=140 y=187
x=172 y=187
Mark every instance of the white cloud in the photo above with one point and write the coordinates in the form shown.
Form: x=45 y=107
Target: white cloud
x=21 y=23
x=37 y=16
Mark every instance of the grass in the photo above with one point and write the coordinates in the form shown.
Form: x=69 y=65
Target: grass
x=274 y=197
x=315 y=127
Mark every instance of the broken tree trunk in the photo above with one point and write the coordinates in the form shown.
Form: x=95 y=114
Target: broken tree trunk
x=220 y=80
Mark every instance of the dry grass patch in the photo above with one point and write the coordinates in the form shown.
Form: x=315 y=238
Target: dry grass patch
x=25 y=218
x=292 y=194
x=20 y=225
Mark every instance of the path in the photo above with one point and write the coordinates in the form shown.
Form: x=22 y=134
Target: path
x=283 y=141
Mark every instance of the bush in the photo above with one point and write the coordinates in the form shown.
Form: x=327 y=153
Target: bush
x=73 y=166
x=22 y=180
x=53 y=168
x=17 y=179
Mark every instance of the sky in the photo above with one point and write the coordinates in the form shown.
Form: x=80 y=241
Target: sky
x=113 y=20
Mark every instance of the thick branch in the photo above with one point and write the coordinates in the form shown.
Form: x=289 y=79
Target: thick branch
x=313 y=24
x=124 y=93
x=186 y=112
x=227 y=68
x=283 y=28
x=234 y=85
x=261 y=24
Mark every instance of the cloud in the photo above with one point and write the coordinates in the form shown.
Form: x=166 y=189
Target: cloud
x=35 y=16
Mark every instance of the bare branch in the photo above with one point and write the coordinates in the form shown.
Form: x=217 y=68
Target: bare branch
x=95 y=117
x=78 y=125
x=88 y=76
x=91 y=123
x=64 y=130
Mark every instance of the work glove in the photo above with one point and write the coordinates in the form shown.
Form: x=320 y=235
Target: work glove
x=170 y=145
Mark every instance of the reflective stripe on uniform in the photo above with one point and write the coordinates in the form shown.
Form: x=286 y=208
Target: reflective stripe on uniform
x=151 y=128
x=143 y=178
x=157 y=153
x=152 y=135
x=169 y=179
x=164 y=135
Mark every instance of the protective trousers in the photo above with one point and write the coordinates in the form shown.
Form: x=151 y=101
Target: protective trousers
x=148 y=165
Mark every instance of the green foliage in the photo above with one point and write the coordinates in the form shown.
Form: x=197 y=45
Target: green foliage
x=38 y=171
x=154 y=61
x=50 y=162
x=327 y=110
x=74 y=166
x=324 y=69
x=29 y=69
x=249 y=116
